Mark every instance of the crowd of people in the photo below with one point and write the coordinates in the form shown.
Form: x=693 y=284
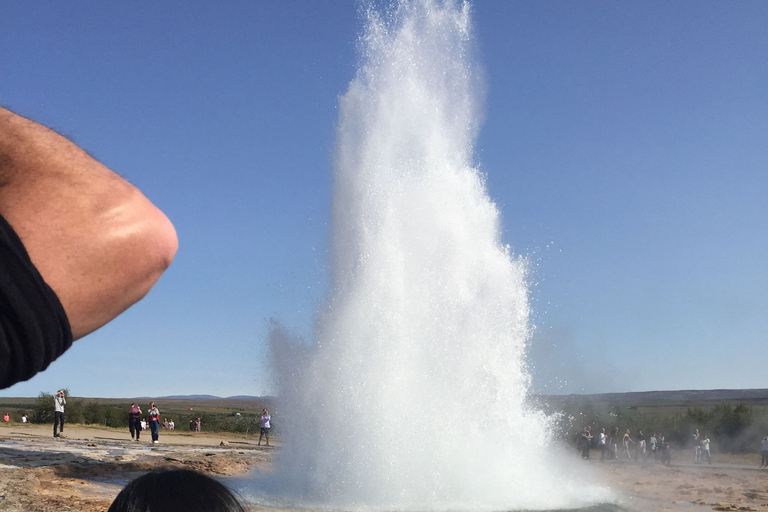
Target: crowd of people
x=614 y=445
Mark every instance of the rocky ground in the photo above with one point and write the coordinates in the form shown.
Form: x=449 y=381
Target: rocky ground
x=85 y=471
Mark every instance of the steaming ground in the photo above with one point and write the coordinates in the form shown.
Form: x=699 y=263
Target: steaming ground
x=86 y=470
x=412 y=395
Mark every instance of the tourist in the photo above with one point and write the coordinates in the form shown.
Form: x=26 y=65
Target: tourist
x=58 y=412
x=696 y=447
x=625 y=441
x=705 y=449
x=134 y=423
x=660 y=440
x=171 y=425
x=640 y=447
x=764 y=453
x=652 y=446
x=614 y=443
x=174 y=490
x=23 y=418
x=154 y=422
x=265 y=426
x=666 y=452
x=198 y=425
x=192 y=425
x=6 y=418
x=165 y=423
x=601 y=444
x=143 y=424
x=79 y=245
x=586 y=441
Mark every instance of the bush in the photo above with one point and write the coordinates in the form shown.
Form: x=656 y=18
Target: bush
x=43 y=409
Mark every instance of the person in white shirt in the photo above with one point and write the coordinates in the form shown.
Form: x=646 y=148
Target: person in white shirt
x=58 y=412
x=601 y=444
x=265 y=426
x=705 y=448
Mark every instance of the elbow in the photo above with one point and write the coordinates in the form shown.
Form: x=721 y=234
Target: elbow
x=167 y=243
x=160 y=244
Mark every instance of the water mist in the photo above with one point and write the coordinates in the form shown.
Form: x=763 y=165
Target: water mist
x=412 y=395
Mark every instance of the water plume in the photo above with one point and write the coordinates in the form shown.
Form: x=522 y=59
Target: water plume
x=413 y=394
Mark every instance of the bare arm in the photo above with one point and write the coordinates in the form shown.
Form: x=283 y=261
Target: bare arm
x=95 y=239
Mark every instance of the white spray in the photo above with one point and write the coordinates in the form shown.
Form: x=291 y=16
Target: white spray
x=413 y=396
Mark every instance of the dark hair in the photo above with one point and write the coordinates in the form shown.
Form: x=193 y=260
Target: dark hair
x=172 y=490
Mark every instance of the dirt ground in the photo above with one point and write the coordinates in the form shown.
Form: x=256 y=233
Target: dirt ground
x=85 y=470
x=729 y=485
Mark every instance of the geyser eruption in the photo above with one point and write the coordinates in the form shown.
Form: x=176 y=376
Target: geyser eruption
x=413 y=394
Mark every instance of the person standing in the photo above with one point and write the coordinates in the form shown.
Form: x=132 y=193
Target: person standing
x=265 y=426
x=764 y=453
x=601 y=444
x=586 y=441
x=614 y=444
x=665 y=457
x=58 y=412
x=640 y=447
x=652 y=446
x=626 y=442
x=696 y=447
x=198 y=425
x=154 y=422
x=705 y=449
x=134 y=421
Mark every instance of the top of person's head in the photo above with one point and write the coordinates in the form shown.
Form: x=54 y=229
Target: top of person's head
x=172 y=490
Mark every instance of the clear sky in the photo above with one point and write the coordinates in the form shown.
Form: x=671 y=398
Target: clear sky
x=625 y=143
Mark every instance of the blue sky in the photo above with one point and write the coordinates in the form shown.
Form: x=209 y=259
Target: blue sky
x=624 y=143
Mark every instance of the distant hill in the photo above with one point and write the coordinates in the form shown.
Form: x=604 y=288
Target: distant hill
x=679 y=396
x=693 y=396
x=211 y=397
x=184 y=397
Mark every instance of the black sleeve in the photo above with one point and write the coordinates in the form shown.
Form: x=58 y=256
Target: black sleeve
x=34 y=329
